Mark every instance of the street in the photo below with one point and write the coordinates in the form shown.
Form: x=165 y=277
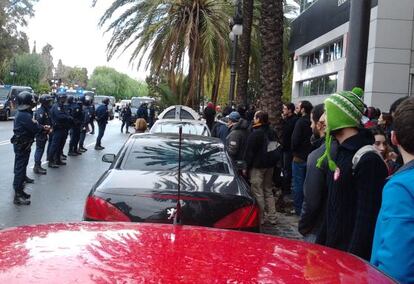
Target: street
x=58 y=196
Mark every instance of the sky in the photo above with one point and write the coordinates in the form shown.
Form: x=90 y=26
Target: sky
x=71 y=27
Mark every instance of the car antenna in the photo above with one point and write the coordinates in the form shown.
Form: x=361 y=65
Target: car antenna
x=177 y=215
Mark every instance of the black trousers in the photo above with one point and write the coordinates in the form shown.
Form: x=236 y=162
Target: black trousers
x=74 y=138
x=21 y=159
x=287 y=172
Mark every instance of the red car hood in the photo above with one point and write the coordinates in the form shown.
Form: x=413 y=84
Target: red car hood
x=136 y=253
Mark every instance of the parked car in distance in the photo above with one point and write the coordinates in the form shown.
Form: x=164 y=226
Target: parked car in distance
x=194 y=127
x=8 y=103
x=141 y=184
x=98 y=101
x=136 y=102
x=179 y=112
x=158 y=253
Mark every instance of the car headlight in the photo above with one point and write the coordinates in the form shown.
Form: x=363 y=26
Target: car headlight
x=1 y=106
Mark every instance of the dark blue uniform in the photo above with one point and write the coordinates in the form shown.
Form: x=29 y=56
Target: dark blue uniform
x=126 y=117
x=92 y=113
x=25 y=129
x=77 y=114
x=142 y=112
x=42 y=116
x=102 y=118
x=87 y=118
x=61 y=121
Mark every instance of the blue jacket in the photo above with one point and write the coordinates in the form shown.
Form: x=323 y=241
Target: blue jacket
x=393 y=247
x=102 y=114
x=25 y=125
x=60 y=118
x=76 y=112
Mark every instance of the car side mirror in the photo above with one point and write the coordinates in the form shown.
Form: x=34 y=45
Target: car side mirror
x=241 y=165
x=108 y=158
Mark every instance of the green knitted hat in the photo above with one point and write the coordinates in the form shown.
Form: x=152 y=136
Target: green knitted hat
x=343 y=110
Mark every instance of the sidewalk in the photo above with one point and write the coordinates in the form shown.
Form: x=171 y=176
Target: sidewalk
x=287 y=227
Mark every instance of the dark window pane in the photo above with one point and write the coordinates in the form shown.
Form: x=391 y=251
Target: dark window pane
x=169 y=114
x=306 y=88
x=312 y=59
x=326 y=56
x=321 y=86
x=330 y=84
x=314 y=87
x=331 y=52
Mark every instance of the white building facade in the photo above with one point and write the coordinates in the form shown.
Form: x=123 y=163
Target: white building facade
x=320 y=40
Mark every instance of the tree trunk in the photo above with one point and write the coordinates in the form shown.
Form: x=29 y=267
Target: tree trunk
x=216 y=84
x=244 y=58
x=271 y=73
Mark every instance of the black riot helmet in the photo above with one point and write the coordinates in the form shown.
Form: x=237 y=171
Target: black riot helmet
x=71 y=99
x=46 y=100
x=105 y=101
x=87 y=100
x=61 y=97
x=26 y=100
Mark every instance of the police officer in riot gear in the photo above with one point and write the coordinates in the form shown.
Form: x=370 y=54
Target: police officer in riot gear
x=102 y=116
x=126 y=117
x=75 y=110
x=92 y=113
x=87 y=117
x=61 y=121
x=25 y=129
x=42 y=116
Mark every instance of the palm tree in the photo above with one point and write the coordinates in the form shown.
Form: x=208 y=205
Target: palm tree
x=181 y=36
x=244 y=58
x=271 y=71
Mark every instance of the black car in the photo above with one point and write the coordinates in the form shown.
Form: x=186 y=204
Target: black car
x=141 y=184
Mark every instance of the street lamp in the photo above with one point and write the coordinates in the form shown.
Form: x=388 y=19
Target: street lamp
x=236 y=25
x=13 y=69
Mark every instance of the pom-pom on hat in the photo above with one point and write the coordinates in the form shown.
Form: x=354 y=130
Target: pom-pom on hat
x=343 y=110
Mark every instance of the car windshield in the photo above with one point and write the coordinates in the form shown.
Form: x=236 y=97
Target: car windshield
x=172 y=127
x=153 y=154
x=98 y=100
x=3 y=93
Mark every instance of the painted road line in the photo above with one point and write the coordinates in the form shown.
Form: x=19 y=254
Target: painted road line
x=90 y=144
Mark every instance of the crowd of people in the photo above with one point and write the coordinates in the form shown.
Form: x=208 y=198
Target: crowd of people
x=58 y=117
x=348 y=168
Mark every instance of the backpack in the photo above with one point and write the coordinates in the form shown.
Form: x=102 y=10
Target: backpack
x=361 y=152
x=272 y=152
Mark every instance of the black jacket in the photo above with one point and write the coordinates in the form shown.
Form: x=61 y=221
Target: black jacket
x=287 y=131
x=236 y=139
x=301 y=145
x=315 y=191
x=354 y=198
x=256 y=147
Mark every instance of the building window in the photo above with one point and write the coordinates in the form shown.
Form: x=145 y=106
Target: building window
x=305 y=4
x=330 y=52
x=324 y=85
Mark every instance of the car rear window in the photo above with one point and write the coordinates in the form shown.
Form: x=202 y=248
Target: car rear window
x=3 y=93
x=154 y=154
x=172 y=127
